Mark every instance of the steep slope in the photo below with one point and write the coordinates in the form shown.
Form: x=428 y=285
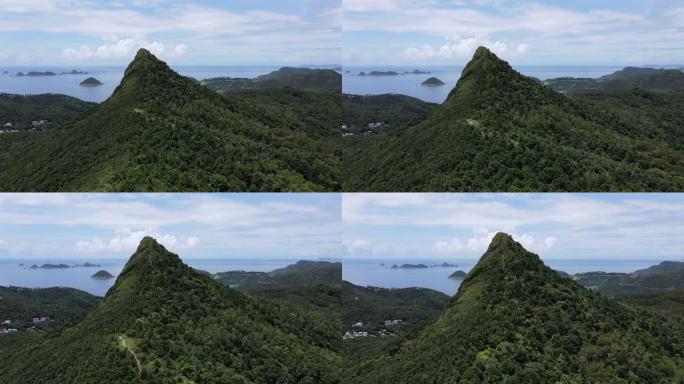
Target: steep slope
x=160 y=131
x=162 y=322
x=514 y=320
x=501 y=131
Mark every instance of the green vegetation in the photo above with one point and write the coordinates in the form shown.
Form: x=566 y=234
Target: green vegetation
x=91 y=82
x=55 y=110
x=102 y=274
x=649 y=79
x=162 y=322
x=61 y=305
x=303 y=273
x=514 y=320
x=160 y=131
x=316 y=80
x=501 y=131
x=395 y=111
x=433 y=81
x=372 y=306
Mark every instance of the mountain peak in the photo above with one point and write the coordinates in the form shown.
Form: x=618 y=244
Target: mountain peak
x=149 y=256
x=505 y=257
x=485 y=73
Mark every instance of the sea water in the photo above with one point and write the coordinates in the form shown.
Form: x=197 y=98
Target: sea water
x=365 y=272
x=410 y=84
x=109 y=76
x=14 y=274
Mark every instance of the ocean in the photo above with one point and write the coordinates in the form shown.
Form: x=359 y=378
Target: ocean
x=410 y=84
x=109 y=76
x=365 y=272
x=12 y=273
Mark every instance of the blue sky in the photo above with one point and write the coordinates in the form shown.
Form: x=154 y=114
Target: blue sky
x=92 y=226
x=183 y=32
x=543 y=32
x=555 y=226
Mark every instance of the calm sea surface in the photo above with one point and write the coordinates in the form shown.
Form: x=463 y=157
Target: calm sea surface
x=11 y=273
x=110 y=76
x=371 y=272
x=410 y=84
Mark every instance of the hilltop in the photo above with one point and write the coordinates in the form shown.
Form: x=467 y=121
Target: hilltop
x=161 y=131
x=301 y=274
x=308 y=79
x=499 y=130
x=648 y=79
x=163 y=322
x=516 y=320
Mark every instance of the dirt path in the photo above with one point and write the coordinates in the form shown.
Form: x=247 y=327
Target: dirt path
x=122 y=341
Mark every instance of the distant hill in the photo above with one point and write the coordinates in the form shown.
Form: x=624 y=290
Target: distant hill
x=668 y=275
x=302 y=273
x=160 y=131
x=162 y=322
x=516 y=320
x=501 y=131
x=321 y=80
x=649 y=79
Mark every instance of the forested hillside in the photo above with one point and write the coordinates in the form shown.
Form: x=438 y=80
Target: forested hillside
x=501 y=131
x=162 y=322
x=514 y=320
x=160 y=131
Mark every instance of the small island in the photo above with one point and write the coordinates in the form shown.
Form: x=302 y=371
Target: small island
x=102 y=274
x=91 y=82
x=36 y=74
x=64 y=266
x=444 y=265
x=410 y=266
x=50 y=266
x=433 y=82
x=379 y=73
x=458 y=275
x=417 y=72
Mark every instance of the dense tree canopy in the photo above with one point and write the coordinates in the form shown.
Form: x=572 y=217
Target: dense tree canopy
x=160 y=131
x=502 y=131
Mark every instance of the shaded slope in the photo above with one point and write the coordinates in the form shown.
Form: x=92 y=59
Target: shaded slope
x=160 y=131
x=501 y=131
x=181 y=326
x=514 y=320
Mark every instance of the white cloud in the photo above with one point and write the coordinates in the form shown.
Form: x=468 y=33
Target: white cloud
x=457 y=47
x=357 y=247
x=368 y=5
x=126 y=240
x=21 y=6
x=481 y=238
x=123 y=48
x=450 y=246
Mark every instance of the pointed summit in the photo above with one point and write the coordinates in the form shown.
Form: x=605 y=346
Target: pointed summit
x=516 y=320
x=484 y=75
x=506 y=257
